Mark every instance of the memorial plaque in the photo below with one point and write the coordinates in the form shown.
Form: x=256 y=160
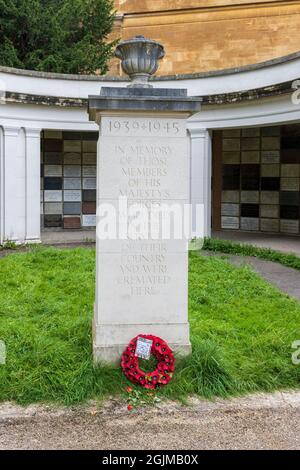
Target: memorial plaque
x=89 y=158
x=52 y=196
x=250 y=197
x=230 y=223
x=72 y=171
x=290 y=212
x=270 y=143
x=72 y=146
x=72 y=135
x=251 y=156
x=72 y=158
x=249 y=224
x=52 y=170
x=249 y=210
x=270 y=184
x=53 y=208
x=270 y=170
x=72 y=183
x=290 y=184
x=269 y=225
x=41 y=208
x=57 y=135
x=53 y=183
x=89 y=183
x=72 y=208
x=231 y=133
x=249 y=143
x=270 y=156
x=269 y=197
x=231 y=144
x=289 y=226
x=89 y=208
x=72 y=196
x=89 y=171
x=289 y=198
x=52 y=145
x=231 y=210
x=52 y=221
x=231 y=196
x=251 y=132
x=72 y=223
x=231 y=157
x=270 y=131
x=250 y=183
x=53 y=158
x=291 y=156
x=89 y=146
x=89 y=220
x=41 y=196
x=269 y=211
x=89 y=195
x=290 y=170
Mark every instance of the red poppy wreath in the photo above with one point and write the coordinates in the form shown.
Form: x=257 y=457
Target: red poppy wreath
x=165 y=363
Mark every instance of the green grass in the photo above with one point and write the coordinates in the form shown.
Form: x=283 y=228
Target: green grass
x=242 y=330
x=233 y=248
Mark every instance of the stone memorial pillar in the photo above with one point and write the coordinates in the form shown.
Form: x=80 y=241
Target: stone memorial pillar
x=143 y=183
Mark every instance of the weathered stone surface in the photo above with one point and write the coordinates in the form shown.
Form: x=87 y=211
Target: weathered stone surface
x=71 y=146
x=72 y=196
x=270 y=156
x=52 y=221
x=52 y=170
x=89 y=158
x=252 y=156
x=89 y=183
x=249 y=224
x=289 y=226
x=251 y=197
x=290 y=184
x=231 y=157
x=52 y=196
x=72 y=171
x=232 y=223
x=270 y=170
x=269 y=211
x=72 y=183
x=72 y=223
x=53 y=208
x=249 y=143
x=270 y=143
x=231 y=209
x=72 y=158
x=89 y=208
x=269 y=197
x=269 y=225
x=89 y=220
x=89 y=171
x=231 y=196
x=72 y=208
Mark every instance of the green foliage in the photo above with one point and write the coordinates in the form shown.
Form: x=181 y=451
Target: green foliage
x=63 y=36
x=242 y=329
x=233 y=248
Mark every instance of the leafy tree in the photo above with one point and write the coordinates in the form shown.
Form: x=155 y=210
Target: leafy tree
x=63 y=36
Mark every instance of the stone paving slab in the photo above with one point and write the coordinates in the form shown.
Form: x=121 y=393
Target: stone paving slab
x=284 y=278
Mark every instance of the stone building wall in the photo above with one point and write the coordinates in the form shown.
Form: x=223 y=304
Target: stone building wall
x=205 y=35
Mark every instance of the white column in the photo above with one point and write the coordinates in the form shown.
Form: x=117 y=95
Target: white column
x=13 y=181
x=201 y=170
x=32 y=189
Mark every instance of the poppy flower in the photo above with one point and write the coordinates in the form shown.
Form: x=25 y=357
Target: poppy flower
x=130 y=407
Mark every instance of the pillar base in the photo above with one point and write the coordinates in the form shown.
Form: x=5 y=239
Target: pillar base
x=109 y=345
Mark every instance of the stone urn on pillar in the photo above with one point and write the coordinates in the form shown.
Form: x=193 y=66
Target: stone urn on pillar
x=139 y=59
x=143 y=157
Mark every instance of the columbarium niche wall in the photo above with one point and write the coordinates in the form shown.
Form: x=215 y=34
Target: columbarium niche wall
x=68 y=180
x=261 y=179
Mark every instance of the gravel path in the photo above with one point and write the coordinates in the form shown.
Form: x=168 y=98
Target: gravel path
x=253 y=422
